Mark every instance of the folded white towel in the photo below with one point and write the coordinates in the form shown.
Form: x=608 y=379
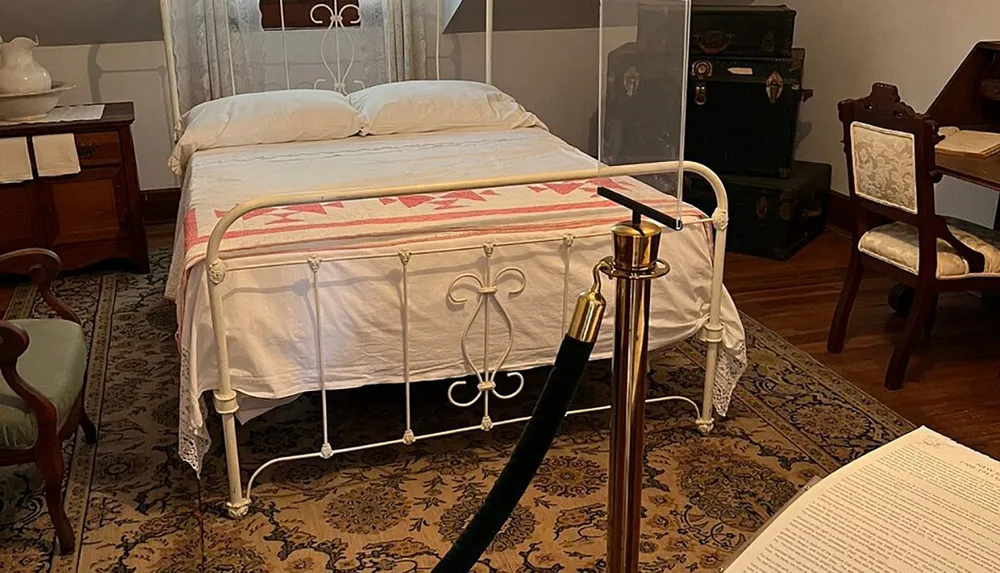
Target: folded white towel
x=56 y=155
x=15 y=163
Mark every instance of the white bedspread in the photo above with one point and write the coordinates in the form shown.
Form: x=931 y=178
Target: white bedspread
x=269 y=311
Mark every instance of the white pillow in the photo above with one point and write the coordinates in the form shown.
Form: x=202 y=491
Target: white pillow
x=423 y=106
x=266 y=117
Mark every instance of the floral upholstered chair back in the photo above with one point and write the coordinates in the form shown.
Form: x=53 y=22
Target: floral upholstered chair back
x=885 y=166
x=890 y=151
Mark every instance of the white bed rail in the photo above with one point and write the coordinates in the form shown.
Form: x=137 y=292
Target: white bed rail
x=225 y=398
x=171 y=61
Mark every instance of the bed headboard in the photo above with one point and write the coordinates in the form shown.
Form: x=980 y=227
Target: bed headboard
x=341 y=45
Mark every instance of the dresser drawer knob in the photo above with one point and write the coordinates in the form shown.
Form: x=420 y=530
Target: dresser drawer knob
x=85 y=151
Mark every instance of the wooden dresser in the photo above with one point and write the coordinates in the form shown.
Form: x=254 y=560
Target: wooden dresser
x=85 y=218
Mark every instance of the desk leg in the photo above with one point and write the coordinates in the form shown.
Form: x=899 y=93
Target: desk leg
x=991 y=298
x=901 y=299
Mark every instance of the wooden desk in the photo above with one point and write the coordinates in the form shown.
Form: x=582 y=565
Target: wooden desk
x=971 y=100
x=984 y=172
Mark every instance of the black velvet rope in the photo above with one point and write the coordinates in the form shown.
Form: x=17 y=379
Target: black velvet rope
x=537 y=438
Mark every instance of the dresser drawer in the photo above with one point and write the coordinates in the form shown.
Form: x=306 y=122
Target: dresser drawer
x=20 y=225
x=98 y=149
x=86 y=217
x=92 y=206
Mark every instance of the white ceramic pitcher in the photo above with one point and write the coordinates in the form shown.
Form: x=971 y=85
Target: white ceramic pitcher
x=19 y=72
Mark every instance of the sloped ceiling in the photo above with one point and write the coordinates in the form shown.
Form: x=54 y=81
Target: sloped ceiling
x=470 y=15
x=66 y=22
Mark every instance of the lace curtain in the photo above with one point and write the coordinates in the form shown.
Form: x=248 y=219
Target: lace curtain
x=394 y=40
x=406 y=39
x=219 y=47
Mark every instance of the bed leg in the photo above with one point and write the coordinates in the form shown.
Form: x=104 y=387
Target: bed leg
x=238 y=505
x=713 y=331
x=713 y=336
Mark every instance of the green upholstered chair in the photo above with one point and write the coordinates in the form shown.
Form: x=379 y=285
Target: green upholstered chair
x=43 y=365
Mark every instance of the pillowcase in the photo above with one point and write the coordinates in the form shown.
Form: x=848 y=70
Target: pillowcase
x=266 y=117
x=437 y=105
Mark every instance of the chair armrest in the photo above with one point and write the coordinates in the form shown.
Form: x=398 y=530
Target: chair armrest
x=13 y=343
x=976 y=260
x=42 y=265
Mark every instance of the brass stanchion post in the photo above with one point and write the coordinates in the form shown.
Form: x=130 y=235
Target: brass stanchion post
x=634 y=265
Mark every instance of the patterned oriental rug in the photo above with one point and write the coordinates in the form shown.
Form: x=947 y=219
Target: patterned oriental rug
x=137 y=508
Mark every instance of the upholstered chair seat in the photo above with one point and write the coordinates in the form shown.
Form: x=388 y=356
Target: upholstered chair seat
x=897 y=244
x=55 y=364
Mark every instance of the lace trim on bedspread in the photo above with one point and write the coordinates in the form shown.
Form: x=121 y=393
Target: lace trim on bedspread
x=727 y=374
x=193 y=441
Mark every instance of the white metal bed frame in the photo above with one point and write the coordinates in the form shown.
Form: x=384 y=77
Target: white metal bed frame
x=219 y=266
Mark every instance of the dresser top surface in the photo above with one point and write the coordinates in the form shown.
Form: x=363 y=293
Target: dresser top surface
x=116 y=115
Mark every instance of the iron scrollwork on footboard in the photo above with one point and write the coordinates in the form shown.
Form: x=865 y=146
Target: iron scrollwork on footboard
x=487 y=290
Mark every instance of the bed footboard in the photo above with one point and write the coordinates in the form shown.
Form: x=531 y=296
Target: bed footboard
x=491 y=287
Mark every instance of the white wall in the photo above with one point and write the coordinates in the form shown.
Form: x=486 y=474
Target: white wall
x=914 y=44
x=122 y=72
x=73 y=22
x=553 y=73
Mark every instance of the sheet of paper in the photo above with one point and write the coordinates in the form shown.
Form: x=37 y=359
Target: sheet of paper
x=67 y=113
x=922 y=504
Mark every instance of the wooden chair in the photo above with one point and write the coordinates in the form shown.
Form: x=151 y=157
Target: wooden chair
x=891 y=175
x=43 y=364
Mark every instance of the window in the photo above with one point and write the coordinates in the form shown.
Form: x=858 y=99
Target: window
x=297 y=13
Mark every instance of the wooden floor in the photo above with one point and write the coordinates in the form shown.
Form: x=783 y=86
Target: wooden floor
x=954 y=382
x=954 y=379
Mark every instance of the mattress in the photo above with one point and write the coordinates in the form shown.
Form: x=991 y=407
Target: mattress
x=543 y=241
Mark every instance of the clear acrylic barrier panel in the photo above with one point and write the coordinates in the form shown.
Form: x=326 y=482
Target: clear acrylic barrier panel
x=643 y=92
x=637 y=60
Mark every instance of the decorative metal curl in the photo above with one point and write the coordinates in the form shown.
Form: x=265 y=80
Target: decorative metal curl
x=409 y=438
x=720 y=219
x=217 y=271
x=337 y=20
x=487 y=294
x=326 y=452
x=520 y=386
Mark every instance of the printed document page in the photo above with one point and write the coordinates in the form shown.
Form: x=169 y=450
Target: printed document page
x=921 y=504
